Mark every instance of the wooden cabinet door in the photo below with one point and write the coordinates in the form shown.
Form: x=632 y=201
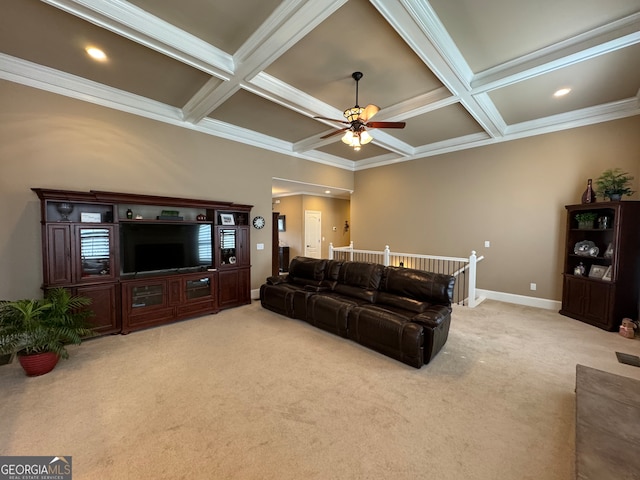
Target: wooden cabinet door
x=228 y=288
x=94 y=257
x=575 y=290
x=597 y=303
x=58 y=259
x=104 y=304
x=244 y=248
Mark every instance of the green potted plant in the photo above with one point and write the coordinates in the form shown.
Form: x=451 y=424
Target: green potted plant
x=613 y=183
x=585 y=220
x=38 y=330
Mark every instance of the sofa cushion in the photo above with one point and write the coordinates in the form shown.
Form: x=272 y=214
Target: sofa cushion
x=419 y=285
x=306 y=271
x=388 y=333
x=361 y=274
x=403 y=303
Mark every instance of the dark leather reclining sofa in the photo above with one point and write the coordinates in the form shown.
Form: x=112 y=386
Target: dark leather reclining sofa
x=400 y=312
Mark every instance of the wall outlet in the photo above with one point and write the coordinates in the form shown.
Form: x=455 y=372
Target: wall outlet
x=260 y=246
x=532 y=286
x=487 y=244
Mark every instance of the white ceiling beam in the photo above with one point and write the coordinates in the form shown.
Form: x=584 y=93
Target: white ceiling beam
x=605 y=39
x=282 y=30
x=131 y=22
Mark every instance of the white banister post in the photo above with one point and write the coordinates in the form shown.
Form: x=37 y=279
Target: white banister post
x=472 y=279
x=385 y=256
x=351 y=250
x=330 y=251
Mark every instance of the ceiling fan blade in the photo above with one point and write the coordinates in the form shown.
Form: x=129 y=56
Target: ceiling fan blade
x=337 y=132
x=369 y=111
x=386 y=124
x=333 y=120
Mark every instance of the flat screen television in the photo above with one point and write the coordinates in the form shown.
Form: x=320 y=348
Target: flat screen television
x=163 y=247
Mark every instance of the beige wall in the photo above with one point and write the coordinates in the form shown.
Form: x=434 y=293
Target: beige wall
x=512 y=194
x=51 y=141
x=334 y=213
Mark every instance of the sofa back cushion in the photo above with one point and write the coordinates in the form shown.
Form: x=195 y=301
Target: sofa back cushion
x=435 y=288
x=359 y=280
x=306 y=271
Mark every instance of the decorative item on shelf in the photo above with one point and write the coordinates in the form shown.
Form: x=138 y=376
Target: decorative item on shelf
x=579 y=269
x=589 y=196
x=64 y=209
x=603 y=222
x=607 y=274
x=585 y=220
x=586 y=248
x=169 y=215
x=227 y=219
x=597 y=271
x=201 y=217
x=139 y=217
x=614 y=183
x=129 y=214
x=90 y=217
x=608 y=253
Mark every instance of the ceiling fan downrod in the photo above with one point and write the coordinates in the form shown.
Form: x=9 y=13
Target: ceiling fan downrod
x=357 y=76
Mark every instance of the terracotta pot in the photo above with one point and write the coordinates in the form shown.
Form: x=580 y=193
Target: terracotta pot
x=38 y=363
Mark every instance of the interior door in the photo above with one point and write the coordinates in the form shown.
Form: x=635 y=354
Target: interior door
x=312 y=234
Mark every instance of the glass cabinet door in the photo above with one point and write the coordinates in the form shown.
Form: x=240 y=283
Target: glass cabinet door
x=228 y=244
x=95 y=252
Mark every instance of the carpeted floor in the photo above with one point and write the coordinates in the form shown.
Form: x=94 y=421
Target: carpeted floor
x=249 y=394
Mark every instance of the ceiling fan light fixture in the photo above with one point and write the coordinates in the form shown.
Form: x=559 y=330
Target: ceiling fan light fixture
x=353 y=113
x=365 y=137
x=348 y=137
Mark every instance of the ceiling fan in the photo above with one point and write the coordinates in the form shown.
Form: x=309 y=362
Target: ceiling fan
x=358 y=121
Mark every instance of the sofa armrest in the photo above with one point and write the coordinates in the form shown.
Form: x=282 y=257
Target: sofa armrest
x=433 y=316
x=276 y=280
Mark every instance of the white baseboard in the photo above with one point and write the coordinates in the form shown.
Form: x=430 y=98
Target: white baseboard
x=255 y=294
x=520 y=299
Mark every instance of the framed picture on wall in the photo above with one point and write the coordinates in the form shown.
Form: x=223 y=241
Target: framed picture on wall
x=227 y=219
x=282 y=223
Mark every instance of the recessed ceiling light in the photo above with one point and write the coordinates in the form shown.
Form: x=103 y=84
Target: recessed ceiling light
x=327 y=192
x=96 y=53
x=562 y=92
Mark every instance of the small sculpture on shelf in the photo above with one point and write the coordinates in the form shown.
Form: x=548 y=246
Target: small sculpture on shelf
x=65 y=209
x=589 y=196
x=579 y=270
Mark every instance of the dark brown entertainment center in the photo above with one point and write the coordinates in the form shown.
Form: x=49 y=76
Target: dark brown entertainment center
x=197 y=260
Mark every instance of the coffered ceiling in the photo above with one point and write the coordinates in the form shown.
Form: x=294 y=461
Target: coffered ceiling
x=460 y=74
